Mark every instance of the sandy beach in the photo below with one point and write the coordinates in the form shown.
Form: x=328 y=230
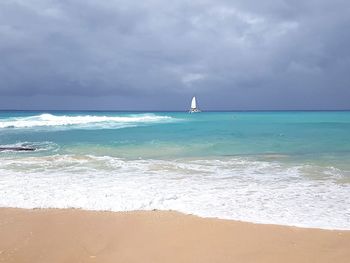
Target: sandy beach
x=70 y=235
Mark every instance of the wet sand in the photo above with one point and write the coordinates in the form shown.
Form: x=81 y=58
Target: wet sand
x=70 y=235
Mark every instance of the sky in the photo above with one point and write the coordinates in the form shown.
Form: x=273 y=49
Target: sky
x=155 y=55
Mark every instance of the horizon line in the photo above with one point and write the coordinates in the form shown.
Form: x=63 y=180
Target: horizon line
x=153 y=110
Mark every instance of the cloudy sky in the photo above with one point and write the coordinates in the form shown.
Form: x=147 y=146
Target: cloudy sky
x=153 y=54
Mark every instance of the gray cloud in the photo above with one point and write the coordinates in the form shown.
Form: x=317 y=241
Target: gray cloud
x=116 y=54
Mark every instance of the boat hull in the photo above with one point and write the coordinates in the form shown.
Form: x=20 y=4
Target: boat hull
x=194 y=110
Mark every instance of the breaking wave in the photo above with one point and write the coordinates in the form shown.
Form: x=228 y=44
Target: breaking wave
x=82 y=121
x=230 y=188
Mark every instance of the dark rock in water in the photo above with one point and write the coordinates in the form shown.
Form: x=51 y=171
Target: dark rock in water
x=17 y=149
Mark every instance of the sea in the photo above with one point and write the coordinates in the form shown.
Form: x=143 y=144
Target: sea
x=282 y=167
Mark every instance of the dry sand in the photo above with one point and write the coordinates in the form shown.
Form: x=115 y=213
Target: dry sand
x=70 y=235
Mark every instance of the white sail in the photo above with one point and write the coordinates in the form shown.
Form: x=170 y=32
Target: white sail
x=194 y=106
x=193 y=103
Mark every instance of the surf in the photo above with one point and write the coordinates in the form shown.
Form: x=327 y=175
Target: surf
x=82 y=121
x=236 y=188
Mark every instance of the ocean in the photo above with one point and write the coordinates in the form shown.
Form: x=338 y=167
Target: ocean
x=288 y=168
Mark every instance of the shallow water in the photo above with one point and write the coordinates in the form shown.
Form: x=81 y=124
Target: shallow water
x=288 y=168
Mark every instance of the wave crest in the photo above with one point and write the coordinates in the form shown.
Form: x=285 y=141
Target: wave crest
x=82 y=121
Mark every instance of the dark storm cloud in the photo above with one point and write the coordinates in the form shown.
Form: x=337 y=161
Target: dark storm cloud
x=247 y=54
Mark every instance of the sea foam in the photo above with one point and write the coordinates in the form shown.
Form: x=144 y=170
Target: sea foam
x=231 y=188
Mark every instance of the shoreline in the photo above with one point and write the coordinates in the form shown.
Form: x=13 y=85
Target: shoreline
x=175 y=212
x=75 y=235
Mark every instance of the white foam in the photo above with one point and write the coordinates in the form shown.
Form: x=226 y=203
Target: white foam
x=231 y=188
x=48 y=120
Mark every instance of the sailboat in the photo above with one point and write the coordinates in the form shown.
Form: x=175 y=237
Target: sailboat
x=194 y=108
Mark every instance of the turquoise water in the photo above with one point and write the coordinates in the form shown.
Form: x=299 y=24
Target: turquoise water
x=273 y=167
x=192 y=135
